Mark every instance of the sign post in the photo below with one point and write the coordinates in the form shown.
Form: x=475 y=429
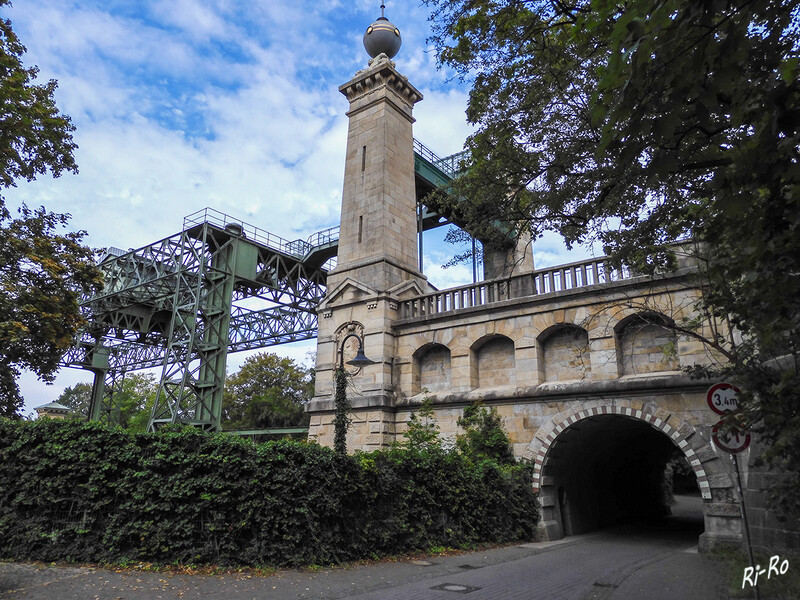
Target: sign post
x=744 y=517
x=723 y=399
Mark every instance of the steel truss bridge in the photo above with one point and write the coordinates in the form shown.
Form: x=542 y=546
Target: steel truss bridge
x=219 y=286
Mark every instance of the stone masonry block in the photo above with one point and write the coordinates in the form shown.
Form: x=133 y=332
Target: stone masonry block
x=686 y=430
x=720 y=480
x=662 y=414
x=705 y=454
x=722 y=509
x=377 y=427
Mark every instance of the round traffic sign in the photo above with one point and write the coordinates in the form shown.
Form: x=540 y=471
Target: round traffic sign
x=722 y=398
x=730 y=439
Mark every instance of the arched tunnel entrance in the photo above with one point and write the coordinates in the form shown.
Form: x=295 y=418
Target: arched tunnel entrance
x=608 y=470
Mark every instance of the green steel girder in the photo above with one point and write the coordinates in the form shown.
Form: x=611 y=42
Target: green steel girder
x=192 y=381
x=105 y=403
x=249 y=330
x=430 y=172
x=178 y=304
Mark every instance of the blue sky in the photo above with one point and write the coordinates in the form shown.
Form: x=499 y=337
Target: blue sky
x=230 y=104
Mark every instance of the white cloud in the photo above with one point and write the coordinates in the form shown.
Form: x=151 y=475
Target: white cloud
x=441 y=121
x=550 y=250
x=183 y=104
x=196 y=21
x=444 y=278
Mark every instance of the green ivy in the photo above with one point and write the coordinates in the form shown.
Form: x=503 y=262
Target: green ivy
x=78 y=491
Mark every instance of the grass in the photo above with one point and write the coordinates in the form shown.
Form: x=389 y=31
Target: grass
x=777 y=587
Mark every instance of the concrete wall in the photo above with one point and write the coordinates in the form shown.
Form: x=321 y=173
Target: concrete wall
x=493 y=363
x=565 y=354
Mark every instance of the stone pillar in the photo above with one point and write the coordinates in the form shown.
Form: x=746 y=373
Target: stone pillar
x=377 y=262
x=378 y=240
x=508 y=262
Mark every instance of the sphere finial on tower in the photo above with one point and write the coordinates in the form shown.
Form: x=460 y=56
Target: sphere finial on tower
x=382 y=37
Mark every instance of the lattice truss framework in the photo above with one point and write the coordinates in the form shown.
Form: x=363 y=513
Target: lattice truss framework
x=183 y=303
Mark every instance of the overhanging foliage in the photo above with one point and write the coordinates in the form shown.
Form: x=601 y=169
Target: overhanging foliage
x=640 y=123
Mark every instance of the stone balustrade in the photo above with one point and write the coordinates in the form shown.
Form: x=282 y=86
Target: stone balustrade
x=562 y=278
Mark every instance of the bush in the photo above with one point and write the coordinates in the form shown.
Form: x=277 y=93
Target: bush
x=77 y=491
x=484 y=436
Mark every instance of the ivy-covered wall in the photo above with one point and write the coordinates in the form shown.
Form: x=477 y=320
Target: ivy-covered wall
x=80 y=492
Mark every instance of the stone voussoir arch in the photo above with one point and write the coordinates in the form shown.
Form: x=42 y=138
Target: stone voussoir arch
x=559 y=327
x=543 y=440
x=486 y=338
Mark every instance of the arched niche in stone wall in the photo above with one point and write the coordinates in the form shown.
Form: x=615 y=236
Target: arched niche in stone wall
x=565 y=353
x=431 y=368
x=646 y=345
x=492 y=362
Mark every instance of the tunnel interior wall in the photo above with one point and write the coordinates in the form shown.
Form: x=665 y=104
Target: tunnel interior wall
x=609 y=470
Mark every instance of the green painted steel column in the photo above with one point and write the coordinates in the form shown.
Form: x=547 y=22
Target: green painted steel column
x=213 y=348
x=99 y=366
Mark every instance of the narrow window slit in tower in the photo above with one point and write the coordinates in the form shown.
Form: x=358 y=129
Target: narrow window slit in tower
x=363 y=158
x=360 y=227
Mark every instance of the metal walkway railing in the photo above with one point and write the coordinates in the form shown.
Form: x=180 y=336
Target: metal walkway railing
x=296 y=248
x=449 y=165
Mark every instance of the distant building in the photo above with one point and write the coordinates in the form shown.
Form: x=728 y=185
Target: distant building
x=53 y=410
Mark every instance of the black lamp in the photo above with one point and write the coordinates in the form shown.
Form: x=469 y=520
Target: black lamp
x=360 y=359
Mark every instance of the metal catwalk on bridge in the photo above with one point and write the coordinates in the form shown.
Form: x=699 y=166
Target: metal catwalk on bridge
x=219 y=286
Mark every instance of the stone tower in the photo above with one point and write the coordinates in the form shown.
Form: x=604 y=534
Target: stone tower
x=377 y=261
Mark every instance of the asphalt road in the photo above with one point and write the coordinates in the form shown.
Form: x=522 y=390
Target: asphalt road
x=653 y=562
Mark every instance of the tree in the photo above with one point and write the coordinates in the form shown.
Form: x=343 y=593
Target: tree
x=43 y=271
x=423 y=431
x=484 y=436
x=135 y=398
x=641 y=123
x=268 y=391
x=77 y=397
x=35 y=136
x=633 y=124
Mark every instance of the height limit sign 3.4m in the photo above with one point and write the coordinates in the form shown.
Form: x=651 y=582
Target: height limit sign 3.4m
x=722 y=398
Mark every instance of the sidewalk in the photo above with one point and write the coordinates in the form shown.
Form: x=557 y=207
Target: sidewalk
x=549 y=570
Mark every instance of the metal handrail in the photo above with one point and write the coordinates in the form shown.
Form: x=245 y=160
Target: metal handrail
x=296 y=248
x=324 y=237
x=449 y=165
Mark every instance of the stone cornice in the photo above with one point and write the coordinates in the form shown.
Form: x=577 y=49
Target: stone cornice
x=376 y=77
x=374 y=260
x=670 y=382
